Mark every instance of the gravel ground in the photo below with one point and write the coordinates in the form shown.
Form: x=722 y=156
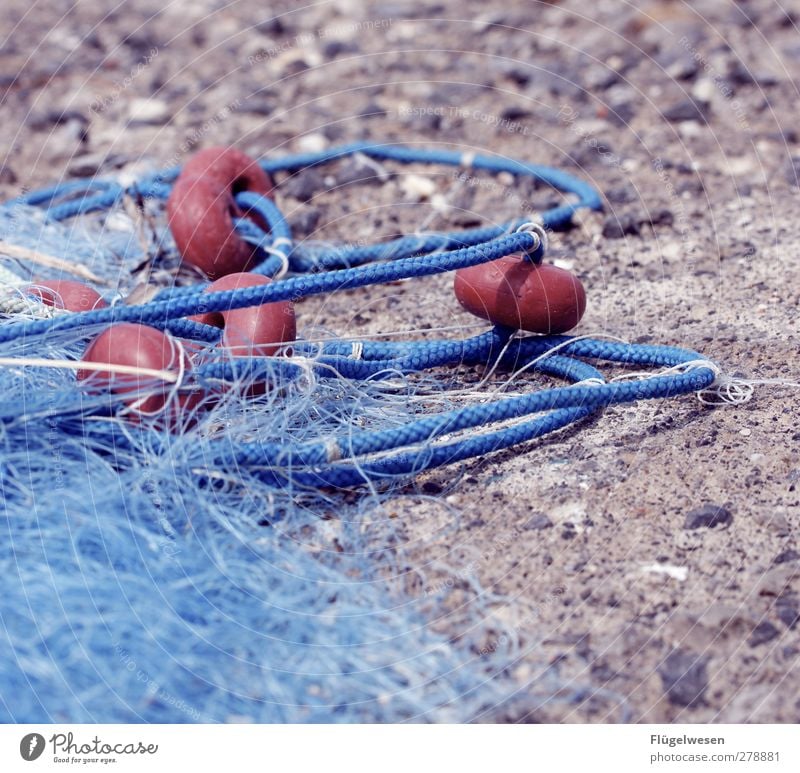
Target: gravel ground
x=652 y=551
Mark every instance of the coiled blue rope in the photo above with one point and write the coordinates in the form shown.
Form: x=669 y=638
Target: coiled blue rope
x=421 y=444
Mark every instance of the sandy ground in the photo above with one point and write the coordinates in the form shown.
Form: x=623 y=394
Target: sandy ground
x=683 y=115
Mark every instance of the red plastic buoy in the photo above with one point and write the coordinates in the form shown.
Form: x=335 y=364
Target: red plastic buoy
x=255 y=330
x=139 y=346
x=201 y=208
x=66 y=294
x=516 y=292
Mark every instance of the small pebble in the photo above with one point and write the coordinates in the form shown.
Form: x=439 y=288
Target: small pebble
x=704 y=90
x=786 y=555
x=537 y=522
x=686 y=110
x=305 y=221
x=7 y=176
x=303 y=185
x=417 y=188
x=619 y=226
x=312 y=143
x=352 y=171
x=788 y=611
x=708 y=516
x=764 y=632
x=148 y=112
x=684 y=678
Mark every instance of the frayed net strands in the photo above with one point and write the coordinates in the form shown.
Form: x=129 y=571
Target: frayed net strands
x=229 y=554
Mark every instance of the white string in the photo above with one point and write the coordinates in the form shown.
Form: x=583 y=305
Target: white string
x=41 y=362
x=376 y=166
x=332 y=450
x=274 y=249
x=467 y=159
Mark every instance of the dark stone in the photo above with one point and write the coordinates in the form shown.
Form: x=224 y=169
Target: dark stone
x=687 y=110
x=257 y=105
x=684 y=678
x=352 y=171
x=619 y=226
x=86 y=166
x=623 y=194
x=740 y=75
x=7 y=175
x=51 y=118
x=598 y=77
x=305 y=221
x=793 y=171
x=295 y=67
x=519 y=75
x=514 y=113
x=763 y=633
x=142 y=42
x=786 y=555
x=303 y=185
x=335 y=48
x=661 y=217
x=537 y=522
x=372 y=110
x=708 y=517
x=684 y=68
x=788 y=610
x=274 y=26
x=621 y=114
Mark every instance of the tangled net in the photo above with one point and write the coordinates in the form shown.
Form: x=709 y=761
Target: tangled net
x=247 y=566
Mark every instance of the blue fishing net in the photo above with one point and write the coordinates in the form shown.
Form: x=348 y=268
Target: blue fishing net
x=246 y=565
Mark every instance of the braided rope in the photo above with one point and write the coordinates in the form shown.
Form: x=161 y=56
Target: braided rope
x=425 y=443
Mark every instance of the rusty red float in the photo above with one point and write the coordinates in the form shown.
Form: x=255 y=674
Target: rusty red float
x=517 y=292
x=66 y=294
x=137 y=346
x=253 y=331
x=201 y=209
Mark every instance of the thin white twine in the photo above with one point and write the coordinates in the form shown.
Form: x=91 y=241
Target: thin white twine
x=175 y=378
x=132 y=370
x=376 y=166
x=275 y=250
x=18 y=303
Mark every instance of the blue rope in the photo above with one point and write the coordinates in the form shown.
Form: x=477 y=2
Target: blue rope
x=421 y=444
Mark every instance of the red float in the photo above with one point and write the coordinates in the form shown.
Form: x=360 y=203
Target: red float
x=516 y=292
x=66 y=294
x=254 y=331
x=201 y=208
x=138 y=346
